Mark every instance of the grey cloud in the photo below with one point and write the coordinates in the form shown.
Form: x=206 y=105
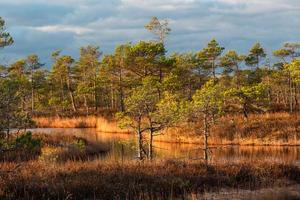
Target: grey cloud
x=34 y=42
x=32 y=15
x=235 y=23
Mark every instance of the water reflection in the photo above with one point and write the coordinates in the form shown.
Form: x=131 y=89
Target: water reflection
x=122 y=146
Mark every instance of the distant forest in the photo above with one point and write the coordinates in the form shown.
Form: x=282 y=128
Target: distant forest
x=105 y=83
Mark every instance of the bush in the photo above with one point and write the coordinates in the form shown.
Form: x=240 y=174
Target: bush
x=22 y=148
x=26 y=141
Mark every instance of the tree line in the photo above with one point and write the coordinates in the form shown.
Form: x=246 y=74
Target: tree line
x=148 y=88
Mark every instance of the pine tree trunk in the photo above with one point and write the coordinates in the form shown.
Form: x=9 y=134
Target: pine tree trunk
x=71 y=95
x=237 y=74
x=290 y=93
x=245 y=111
x=62 y=92
x=213 y=69
x=32 y=92
x=150 y=150
x=295 y=97
x=72 y=101
x=139 y=140
x=206 y=134
x=140 y=146
x=122 y=106
x=32 y=100
x=95 y=95
x=86 y=105
x=112 y=98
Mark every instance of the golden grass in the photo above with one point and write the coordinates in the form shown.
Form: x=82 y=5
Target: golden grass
x=276 y=129
x=109 y=126
x=102 y=124
x=259 y=129
x=59 y=122
x=135 y=180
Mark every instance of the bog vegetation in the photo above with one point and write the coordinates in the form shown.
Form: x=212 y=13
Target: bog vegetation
x=147 y=90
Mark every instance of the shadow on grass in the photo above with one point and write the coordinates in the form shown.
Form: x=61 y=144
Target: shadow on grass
x=164 y=180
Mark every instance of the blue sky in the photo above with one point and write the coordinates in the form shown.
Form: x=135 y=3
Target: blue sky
x=41 y=26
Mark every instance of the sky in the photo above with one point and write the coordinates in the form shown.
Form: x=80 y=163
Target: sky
x=42 y=26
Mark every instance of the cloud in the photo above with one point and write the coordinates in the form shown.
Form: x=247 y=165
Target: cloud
x=256 y=6
x=43 y=26
x=159 y=5
x=63 y=28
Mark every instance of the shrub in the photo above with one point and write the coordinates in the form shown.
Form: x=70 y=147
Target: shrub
x=22 y=148
x=26 y=141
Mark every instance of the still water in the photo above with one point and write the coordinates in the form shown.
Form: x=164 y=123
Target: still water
x=122 y=146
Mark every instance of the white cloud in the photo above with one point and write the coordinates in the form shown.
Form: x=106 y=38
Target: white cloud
x=63 y=28
x=53 y=2
x=158 y=4
x=256 y=6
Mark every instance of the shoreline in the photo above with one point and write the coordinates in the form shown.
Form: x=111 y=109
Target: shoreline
x=271 y=129
x=212 y=145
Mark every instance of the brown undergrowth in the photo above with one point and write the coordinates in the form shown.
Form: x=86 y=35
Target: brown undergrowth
x=135 y=180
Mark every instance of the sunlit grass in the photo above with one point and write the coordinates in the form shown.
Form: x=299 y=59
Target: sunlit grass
x=258 y=129
x=60 y=122
x=276 y=129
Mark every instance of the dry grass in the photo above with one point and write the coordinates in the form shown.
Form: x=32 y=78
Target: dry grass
x=276 y=129
x=102 y=124
x=259 y=129
x=276 y=193
x=20 y=155
x=134 y=180
x=109 y=126
x=62 y=172
x=263 y=129
x=73 y=122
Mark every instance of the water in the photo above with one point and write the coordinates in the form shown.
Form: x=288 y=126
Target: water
x=122 y=146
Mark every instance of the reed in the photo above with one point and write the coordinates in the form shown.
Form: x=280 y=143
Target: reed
x=109 y=125
x=259 y=129
x=135 y=180
x=275 y=129
x=271 y=129
x=71 y=122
